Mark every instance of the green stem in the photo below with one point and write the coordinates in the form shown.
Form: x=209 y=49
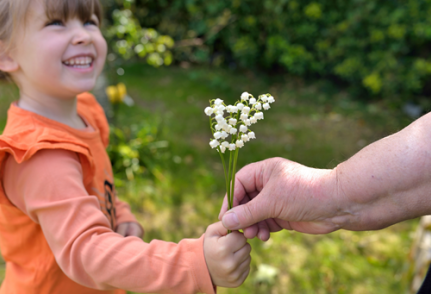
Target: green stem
x=229 y=195
x=225 y=172
x=233 y=173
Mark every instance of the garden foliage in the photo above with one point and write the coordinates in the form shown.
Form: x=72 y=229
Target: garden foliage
x=382 y=46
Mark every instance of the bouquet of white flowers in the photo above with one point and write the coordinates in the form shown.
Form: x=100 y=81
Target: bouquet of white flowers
x=236 y=123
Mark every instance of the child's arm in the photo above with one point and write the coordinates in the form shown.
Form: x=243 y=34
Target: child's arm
x=49 y=189
x=227 y=256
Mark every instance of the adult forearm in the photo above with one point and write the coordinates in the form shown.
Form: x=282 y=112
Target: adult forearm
x=388 y=181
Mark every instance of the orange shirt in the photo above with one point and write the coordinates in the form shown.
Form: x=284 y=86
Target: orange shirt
x=58 y=209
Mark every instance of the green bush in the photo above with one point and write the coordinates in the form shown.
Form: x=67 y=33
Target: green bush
x=381 y=46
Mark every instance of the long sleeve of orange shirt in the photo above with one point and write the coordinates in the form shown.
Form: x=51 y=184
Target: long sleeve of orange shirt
x=49 y=189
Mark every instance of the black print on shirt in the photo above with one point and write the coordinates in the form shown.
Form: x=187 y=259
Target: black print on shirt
x=109 y=202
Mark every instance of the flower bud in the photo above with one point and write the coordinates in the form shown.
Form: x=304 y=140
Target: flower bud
x=239 y=143
x=214 y=143
x=217 y=135
x=252 y=101
x=246 y=110
x=218 y=102
x=232 y=121
x=245 y=138
x=209 y=111
x=271 y=99
x=258 y=115
x=244 y=96
x=240 y=106
x=243 y=129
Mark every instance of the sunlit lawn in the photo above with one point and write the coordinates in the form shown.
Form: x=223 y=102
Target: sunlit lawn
x=311 y=124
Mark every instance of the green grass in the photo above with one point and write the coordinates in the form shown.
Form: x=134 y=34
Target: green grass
x=311 y=124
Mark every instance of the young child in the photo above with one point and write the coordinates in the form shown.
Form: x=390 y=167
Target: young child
x=62 y=229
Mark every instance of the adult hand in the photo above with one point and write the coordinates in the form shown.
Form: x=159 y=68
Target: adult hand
x=280 y=194
x=386 y=182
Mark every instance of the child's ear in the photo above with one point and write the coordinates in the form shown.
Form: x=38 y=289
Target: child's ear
x=7 y=63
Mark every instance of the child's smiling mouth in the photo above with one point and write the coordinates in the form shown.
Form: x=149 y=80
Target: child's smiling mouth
x=79 y=62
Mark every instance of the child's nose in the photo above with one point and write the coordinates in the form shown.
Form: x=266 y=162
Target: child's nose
x=81 y=36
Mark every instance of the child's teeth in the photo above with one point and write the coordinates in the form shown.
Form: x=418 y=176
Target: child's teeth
x=79 y=62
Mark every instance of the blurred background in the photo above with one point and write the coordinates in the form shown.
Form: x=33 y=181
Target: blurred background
x=343 y=73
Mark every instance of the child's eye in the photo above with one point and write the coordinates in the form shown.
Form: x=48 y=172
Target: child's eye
x=91 y=22
x=55 y=23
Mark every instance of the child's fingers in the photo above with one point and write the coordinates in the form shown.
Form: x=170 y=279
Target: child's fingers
x=135 y=230
x=241 y=273
x=243 y=253
x=245 y=269
x=122 y=229
x=235 y=241
x=216 y=230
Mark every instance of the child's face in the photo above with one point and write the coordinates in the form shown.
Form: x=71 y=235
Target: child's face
x=57 y=58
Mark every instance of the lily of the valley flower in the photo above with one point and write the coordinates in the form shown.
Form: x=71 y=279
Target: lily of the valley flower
x=234 y=121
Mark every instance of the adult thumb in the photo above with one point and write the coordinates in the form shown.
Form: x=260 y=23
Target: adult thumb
x=243 y=216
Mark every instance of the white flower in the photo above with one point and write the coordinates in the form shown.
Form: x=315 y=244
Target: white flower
x=253 y=119
x=239 y=143
x=231 y=109
x=243 y=116
x=251 y=135
x=214 y=143
x=224 y=135
x=217 y=135
x=246 y=110
x=218 y=102
x=247 y=122
x=217 y=127
x=219 y=118
x=258 y=115
x=258 y=106
x=244 y=96
x=245 y=138
x=266 y=106
x=232 y=147
x=221 y=108
x=240 y=106
x=225 y=144
x=233 y=131
x=222 y=149
x=209 y=111
x=227 y=128
x=271 y=99
x=243 y=129
x=264 y=98
x=252 y=101
x=232 y=121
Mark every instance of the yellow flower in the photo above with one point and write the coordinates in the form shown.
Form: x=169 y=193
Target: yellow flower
x=116 y=93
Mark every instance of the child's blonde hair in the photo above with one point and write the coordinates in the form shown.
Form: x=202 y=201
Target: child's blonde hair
x=13 y=12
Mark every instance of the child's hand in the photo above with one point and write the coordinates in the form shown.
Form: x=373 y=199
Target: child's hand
x=130 y=229
x=227 y=256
